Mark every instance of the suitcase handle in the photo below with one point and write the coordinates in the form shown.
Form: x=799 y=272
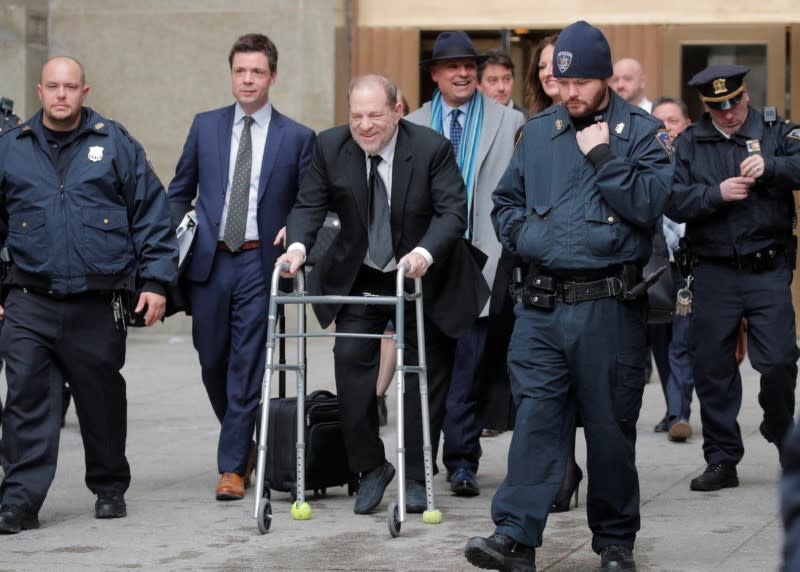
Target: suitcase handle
x=321 y=393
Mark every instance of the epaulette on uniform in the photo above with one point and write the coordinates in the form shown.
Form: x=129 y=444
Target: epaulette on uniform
x=6 y=127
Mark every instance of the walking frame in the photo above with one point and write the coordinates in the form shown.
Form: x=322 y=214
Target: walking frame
x=300 y=509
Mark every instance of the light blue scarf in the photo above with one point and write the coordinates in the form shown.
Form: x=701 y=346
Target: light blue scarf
x=467 y=155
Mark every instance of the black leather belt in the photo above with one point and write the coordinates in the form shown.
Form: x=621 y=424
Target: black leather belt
x=544 y=289
x=61 y=297
x=573 y=292
x=758 y=261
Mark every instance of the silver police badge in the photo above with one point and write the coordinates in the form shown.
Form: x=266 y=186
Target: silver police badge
x=95 y=153
x=563 y=61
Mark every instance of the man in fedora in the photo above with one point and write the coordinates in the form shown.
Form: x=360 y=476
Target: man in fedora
x=481 y=132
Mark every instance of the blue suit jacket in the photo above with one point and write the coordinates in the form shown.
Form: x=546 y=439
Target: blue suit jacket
x=202 y=173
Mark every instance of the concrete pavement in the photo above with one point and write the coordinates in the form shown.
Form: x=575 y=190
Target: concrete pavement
x=174 y=523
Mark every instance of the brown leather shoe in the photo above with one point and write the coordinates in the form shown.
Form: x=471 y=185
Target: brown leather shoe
x=230 y=487
x=251 y=465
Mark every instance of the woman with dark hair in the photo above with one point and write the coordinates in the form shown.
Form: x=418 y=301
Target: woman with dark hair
x=541 y=87
x=497 y=412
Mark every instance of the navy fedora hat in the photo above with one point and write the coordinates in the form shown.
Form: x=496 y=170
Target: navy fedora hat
x=450 y=46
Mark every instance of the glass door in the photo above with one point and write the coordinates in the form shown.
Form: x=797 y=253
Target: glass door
x=762 y=48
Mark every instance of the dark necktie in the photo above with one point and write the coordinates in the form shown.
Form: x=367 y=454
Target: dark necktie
x=380 y=231
x=455 y=130
x=236 y=220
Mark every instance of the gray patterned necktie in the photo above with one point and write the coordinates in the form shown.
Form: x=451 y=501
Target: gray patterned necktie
x=379 y=229
x=236 y=220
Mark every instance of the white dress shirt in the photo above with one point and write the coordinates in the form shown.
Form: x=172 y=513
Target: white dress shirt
x=258 y=138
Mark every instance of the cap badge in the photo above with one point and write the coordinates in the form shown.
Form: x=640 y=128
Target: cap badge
x=564 y=59
x=719 y=86
x=95 y=153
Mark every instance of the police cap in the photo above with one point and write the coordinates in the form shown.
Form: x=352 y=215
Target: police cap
x=721 y=86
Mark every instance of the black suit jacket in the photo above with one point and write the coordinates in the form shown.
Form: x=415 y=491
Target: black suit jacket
x=428 y=209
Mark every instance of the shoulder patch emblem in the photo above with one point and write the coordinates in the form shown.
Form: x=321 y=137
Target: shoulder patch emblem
x=663 y=139
x=794 y=134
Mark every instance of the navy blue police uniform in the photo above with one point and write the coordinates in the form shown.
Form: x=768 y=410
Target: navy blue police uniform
x=585 y=225
x=790 y=500
x=87 y=225
x=743 y=254
x=579 y=223
x=7 y=122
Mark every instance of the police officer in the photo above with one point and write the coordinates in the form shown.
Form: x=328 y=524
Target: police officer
x=87 y=222
x=734 y=174
x=8 y=119
x=579 y=201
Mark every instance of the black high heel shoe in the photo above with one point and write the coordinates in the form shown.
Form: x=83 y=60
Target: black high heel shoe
x=569 y=486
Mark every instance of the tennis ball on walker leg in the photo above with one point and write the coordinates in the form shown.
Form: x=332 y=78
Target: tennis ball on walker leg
x=301 y=511
x=432 y=516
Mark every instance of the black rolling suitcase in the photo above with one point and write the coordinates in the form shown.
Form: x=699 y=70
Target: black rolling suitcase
x=326 y=461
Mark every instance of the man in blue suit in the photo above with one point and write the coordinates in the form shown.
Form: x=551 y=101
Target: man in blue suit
x=243 y=163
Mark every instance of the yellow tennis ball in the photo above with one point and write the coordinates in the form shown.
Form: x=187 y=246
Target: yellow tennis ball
x=432 y=516
x=301 y=511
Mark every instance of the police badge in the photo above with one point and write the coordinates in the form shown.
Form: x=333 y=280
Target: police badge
x=95 y=153
x=564 y=59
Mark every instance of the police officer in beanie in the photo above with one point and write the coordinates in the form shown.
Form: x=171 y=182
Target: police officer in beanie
x=579 y=202
x=734 y=174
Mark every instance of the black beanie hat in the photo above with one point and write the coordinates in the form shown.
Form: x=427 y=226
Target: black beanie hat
x=582 y=51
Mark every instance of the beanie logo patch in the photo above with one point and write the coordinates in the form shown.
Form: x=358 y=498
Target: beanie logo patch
x=563 y=61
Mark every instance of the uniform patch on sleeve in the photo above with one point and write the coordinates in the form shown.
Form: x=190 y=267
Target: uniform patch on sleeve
x=794 y=134
x=663 y=139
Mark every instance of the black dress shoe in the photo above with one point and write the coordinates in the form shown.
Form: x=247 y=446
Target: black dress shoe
x=716 y=476
x=614 y=558
x=500 y=552
x=371 y=487
x=416 y=497
x=463 y=483
x=110 y=505
x=662 y=426
x=15 y=518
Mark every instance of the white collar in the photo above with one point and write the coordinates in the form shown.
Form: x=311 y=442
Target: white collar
x=387 y=153
x=261 y=117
